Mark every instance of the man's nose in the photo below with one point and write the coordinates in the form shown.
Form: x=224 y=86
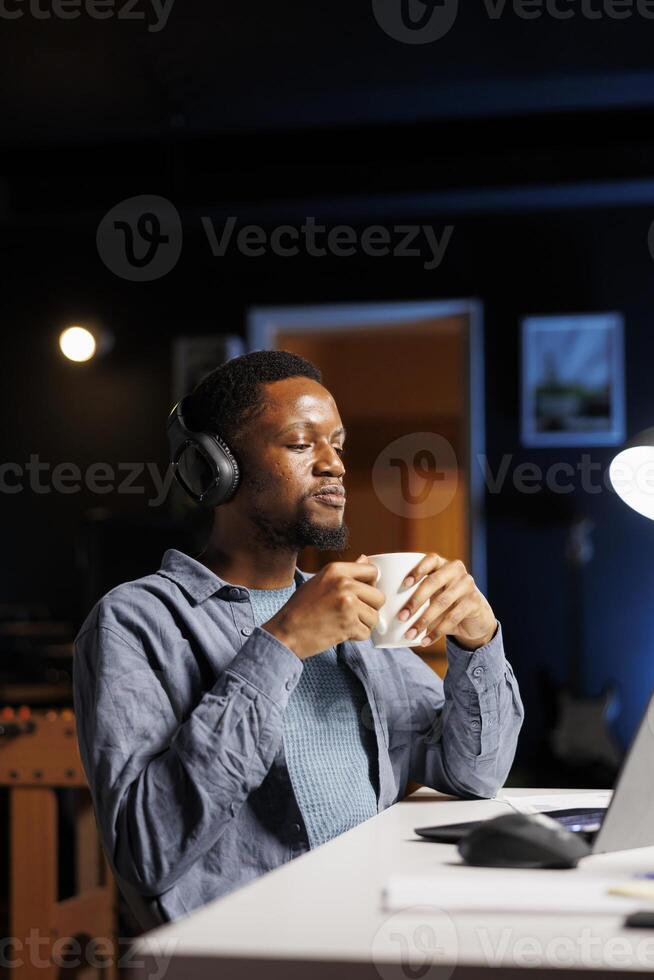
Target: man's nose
x=330 y=460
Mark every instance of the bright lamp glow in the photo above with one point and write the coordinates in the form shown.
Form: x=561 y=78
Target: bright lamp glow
x=632 y=473
x=77 y=344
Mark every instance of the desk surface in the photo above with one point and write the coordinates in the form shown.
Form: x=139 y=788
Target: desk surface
x=321 y=915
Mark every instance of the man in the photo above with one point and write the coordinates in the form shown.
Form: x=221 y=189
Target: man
x=232 y=711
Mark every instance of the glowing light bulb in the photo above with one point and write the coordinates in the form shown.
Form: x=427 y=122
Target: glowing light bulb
x=77 y=344
x=632 y=474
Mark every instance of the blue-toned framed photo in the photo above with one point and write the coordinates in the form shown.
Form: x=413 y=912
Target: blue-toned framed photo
x=573 y=380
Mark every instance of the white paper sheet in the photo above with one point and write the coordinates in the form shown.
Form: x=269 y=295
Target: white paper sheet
x=557 y=801
x=464 y=889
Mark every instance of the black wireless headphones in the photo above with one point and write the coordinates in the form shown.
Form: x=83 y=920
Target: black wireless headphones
x=203 y=464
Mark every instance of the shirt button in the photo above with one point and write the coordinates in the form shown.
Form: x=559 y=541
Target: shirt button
x=478 y=672
x=295 y=827
x=235 y=593
x=246 y=630
x=288 y=685
x=475 y=724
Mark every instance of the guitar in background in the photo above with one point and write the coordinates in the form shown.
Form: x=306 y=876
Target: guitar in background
x=581 y=739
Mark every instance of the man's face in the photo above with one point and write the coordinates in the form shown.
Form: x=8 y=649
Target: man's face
x=290 y=451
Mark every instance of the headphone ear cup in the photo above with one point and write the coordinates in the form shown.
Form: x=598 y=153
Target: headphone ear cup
x=228 y=472
x=203 y=464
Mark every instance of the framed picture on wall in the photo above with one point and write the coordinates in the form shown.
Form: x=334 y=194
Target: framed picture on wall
x=573 y=380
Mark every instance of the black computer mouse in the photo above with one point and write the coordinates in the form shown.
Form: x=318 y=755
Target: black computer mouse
x=522 y=840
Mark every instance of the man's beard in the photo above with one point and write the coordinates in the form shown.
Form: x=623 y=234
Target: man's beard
x=294 y=535
x=291 y=535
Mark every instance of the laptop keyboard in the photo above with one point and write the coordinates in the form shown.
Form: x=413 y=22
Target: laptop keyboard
x=585 y=821
x=580 y=820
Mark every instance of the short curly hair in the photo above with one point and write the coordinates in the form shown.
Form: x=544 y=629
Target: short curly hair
x=231 y=396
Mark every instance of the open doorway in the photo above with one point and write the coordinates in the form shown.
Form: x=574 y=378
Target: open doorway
x=408 y=382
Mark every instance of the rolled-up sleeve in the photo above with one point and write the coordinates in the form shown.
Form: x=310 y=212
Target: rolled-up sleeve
x=464 y=730
x=165 y=788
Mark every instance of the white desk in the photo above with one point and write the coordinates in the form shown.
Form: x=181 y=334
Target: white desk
x=321 y=916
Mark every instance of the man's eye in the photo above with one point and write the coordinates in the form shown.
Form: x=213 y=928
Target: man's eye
x=304 y=445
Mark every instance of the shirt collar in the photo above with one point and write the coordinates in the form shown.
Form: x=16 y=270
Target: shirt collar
x=199 y=582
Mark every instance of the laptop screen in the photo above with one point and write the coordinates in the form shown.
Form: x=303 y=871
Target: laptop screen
x=629 y=820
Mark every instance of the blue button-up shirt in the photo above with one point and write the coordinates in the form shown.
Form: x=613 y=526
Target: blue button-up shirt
x=179 y=702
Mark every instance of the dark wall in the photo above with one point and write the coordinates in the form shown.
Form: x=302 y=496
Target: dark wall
x=217 y=67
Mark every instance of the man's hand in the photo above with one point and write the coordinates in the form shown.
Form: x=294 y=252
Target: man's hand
x=456 y=606
x=338 y=603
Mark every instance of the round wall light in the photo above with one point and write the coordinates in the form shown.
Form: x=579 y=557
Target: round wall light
x=80 y=344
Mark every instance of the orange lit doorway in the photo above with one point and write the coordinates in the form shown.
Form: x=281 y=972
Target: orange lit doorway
x=408 y=382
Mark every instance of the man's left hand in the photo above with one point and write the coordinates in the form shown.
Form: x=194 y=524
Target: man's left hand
x=456 y=608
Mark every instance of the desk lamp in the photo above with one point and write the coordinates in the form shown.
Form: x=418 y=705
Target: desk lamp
x=632 y=473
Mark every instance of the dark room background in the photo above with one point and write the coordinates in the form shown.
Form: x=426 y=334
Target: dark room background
x=532 y=138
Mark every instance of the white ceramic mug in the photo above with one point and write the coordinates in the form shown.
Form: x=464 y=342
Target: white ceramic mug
x=392 y=569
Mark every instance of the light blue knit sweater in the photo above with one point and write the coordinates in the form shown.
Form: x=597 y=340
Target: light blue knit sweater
x=330 y=753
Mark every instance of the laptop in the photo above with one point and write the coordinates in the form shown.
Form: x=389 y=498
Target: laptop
x=627 y=822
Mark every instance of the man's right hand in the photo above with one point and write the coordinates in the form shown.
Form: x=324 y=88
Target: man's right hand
x=340 y=602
